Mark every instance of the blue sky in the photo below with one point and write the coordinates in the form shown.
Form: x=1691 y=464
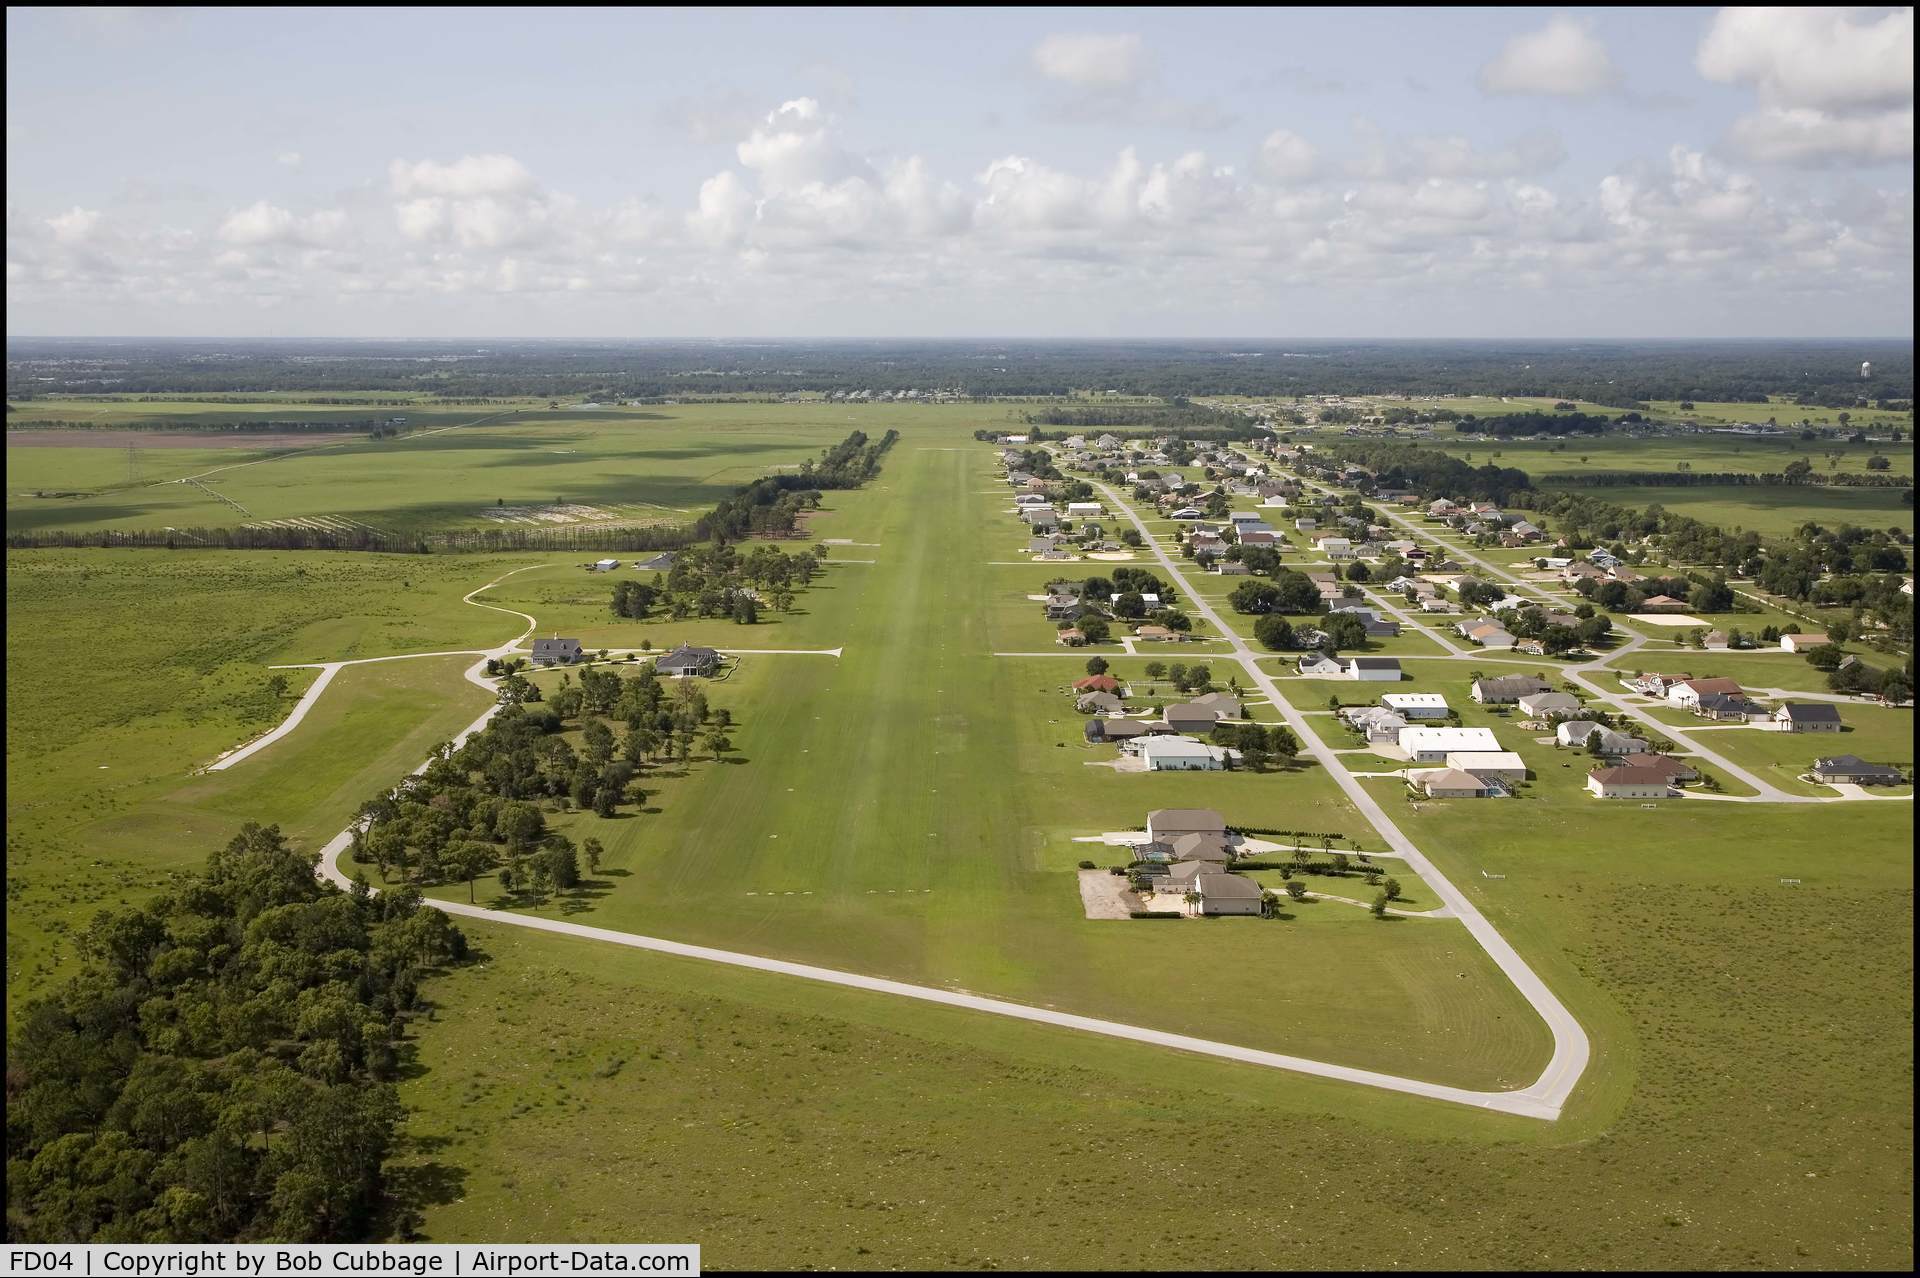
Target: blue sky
x=1097 y=172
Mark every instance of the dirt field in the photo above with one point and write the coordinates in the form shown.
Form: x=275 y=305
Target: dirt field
x=105 y=438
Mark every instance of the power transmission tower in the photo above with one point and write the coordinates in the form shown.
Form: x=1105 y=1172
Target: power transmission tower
x=133 y=464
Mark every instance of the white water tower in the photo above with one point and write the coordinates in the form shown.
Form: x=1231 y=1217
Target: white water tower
x=1866 y=369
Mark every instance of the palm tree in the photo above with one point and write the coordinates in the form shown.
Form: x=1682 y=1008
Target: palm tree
x=1192 y=899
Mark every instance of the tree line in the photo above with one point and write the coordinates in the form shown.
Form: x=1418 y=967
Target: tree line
x=222 y=1067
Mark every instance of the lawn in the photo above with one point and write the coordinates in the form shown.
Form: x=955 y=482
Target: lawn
x=1875 y=733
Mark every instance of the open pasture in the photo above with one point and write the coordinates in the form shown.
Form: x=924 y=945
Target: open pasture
x=484 y=468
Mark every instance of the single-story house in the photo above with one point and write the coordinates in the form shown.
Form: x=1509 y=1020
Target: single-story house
x=1232 y=568
x=687 y=660
x=1816 y=716
x=1677 y=771
x=1380 y=724
x=662 y=562
x=1376 y=625
x=1629 y=783
x=1432 y=745
x=1072 y=637
x=1687 y=693
x=1099 y=703
x=1096 y=683
x=1227 y=707
x=555 y=652
x=1723 y=708
x=1489 y=765
x=1655 y=685
x=1448 y=783
x=1101 y=730
x=1576 y=732
x=1156 y=634
x=1664 y=603
x=1416 y=705
x=1043 y=545
x=1191 y=718
x=1222 y=893
x=1801 y=643
x=1187 y=512
x=1207 y=849
x=1490 y=635
x=1715 y=641
x=1167 y=824
x=1549 y=705
x=1374 y=669
x=1852 y=769
x=1085 y=510
x=1318 y=663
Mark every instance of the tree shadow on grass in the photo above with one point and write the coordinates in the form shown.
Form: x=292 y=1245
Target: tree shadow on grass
x=412 y=1187
x=579 y=901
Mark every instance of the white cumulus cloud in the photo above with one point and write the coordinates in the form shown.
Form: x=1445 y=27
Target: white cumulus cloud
x=1092 y=61
x=469 y=176
x=75 y=225
x=1834 y=87
x=1285 y=156
x=1562 y=59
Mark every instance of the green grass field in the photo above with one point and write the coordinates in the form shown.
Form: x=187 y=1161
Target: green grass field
x=1748 y=1104
x=1773 y=510
x=633 y=466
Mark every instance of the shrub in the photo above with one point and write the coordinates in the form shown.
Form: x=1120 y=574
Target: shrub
x=1088 y=865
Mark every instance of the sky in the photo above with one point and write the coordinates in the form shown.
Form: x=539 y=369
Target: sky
x=1100 y=172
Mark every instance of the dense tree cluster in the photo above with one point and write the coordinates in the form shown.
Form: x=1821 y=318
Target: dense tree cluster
x=221 y=1068
x=1140 y=421
x=1429 y=471
x=480 y=807
x=719 y=581
x=1260 y=745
